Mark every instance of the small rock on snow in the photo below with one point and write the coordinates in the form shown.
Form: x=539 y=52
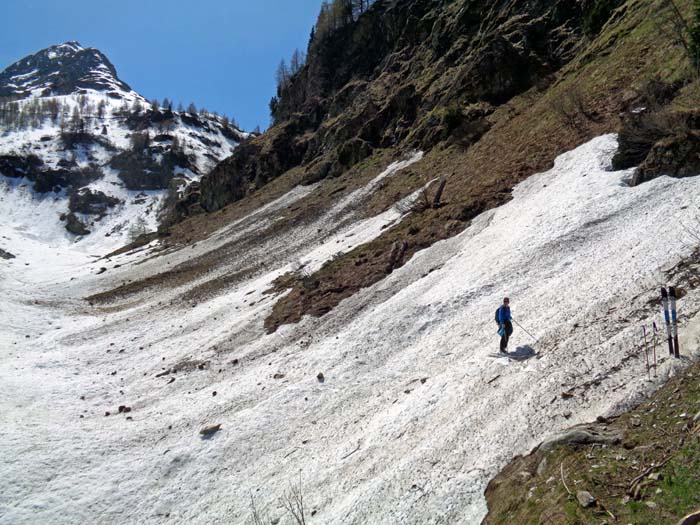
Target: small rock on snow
x=210 y=431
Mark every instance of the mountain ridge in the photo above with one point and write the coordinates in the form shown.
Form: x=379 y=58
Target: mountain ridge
x=71 y=127
x=61 y=69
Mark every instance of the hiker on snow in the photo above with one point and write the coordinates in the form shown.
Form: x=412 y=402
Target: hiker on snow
x=505 y=327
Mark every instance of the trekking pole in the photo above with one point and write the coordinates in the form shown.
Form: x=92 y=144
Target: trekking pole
x=523 y=329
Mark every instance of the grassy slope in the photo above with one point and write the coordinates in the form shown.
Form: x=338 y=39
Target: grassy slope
x=526 y=135
x=661 y=431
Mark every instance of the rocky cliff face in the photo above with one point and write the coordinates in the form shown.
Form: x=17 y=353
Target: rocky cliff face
x=405 y=75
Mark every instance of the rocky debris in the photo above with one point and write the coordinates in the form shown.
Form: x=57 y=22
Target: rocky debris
x=321 y=378
x=140 y=170
x=75 y=225
x=48 y=179
x=6 y=255
x=91 y=202
x=278 y=375
x=542 y=466
x=585 y=499
x=207 y=432
x=15 y=166
x=189 y=365
x=524 y=476
x=101 y=271
x=123 y=409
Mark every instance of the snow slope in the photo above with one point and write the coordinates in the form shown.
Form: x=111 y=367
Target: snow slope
x=416 y=411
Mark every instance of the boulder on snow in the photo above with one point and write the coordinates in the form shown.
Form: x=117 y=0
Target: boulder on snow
x=207 y=432
x=75 y=225
x=6 y=255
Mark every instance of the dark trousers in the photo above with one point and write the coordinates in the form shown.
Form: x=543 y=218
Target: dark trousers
x=504 y=338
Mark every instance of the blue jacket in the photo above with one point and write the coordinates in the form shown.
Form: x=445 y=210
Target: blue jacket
x=503 y=314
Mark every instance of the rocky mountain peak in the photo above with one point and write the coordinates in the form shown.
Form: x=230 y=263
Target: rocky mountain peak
x=61 y=69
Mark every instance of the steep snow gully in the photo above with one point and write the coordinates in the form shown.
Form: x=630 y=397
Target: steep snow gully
x=416 y=410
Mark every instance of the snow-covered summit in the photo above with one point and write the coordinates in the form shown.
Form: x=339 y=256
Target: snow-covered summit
x=72 y=133
x=62 y=70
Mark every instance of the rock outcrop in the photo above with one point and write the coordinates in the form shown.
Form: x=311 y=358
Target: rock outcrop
x=660 y=142
x=91 y=202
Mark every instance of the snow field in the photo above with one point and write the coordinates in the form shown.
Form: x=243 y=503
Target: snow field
x=416 y=411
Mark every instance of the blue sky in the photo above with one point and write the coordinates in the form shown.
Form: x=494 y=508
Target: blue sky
x=219 y=54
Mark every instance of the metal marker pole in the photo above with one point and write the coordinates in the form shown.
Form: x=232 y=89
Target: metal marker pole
x=646 y=351
x=656 y=330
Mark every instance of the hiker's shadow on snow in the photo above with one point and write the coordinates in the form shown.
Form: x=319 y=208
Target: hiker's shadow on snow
x=522 y=353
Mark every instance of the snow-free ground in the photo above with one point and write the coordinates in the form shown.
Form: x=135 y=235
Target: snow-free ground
x=416 y=410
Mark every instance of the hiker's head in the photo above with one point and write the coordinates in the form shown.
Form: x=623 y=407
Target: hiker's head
x=506 y=301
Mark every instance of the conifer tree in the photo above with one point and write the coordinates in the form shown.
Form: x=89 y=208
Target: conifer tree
x=297 y=61
x=282 y=75
x=101 y=109
x=694 y=39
